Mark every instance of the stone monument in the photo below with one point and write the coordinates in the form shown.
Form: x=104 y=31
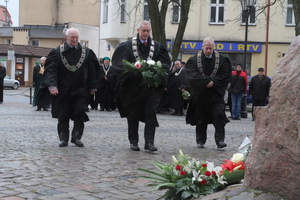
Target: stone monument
x=274 y=162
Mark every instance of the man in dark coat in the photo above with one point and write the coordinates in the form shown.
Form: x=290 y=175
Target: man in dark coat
x=105 y=92
x=2 y=76
x=259 y=89
x=136 y=102
x=41 y=95
x=174 y=95
x=70 y=75
x=208 y=74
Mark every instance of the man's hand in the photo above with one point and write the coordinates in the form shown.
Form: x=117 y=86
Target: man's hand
x=92 y=92
x=210 y=84
x=54 y=91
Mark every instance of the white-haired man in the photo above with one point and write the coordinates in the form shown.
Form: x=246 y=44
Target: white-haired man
x=41 y=95
x=70 y=75
x=208 y=73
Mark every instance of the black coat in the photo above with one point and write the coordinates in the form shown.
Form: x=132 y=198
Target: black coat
x=202 y=99
x=70 y=84
x=128 y=89
x=259 y=88
x=2 y=74
x=106 y=87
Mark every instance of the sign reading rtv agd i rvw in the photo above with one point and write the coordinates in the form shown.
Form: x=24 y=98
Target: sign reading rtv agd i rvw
x=220 y=46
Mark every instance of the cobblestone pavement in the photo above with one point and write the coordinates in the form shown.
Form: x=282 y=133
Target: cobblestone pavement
x=32 y=166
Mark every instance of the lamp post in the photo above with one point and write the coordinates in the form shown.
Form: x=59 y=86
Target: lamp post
x=246 y=6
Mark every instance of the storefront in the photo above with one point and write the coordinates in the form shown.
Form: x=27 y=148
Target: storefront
x=233 y=50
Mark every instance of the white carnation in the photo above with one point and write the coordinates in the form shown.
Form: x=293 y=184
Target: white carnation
x=150 y=62
x=238 y=157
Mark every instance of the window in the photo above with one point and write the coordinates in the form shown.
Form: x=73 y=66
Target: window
x=146 y=10
x=217 y=11
x=176 y=13
x=35 y=43
x=123 y=11
x=105 y=11
x=252 y=16
x=8 y=41
x=290 y=17
x=84 y=43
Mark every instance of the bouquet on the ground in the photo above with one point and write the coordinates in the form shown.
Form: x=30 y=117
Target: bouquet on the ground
x=185 y=177
x=234 y=169
x=151 y=71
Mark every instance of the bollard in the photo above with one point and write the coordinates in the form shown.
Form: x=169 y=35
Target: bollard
x=244 y=113
x=30 y=101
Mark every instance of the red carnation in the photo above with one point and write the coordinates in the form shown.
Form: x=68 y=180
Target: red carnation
x=207 y=173
x=182 y=173
x=203 y=182
x=214 y=173
x=204 y=165
x=178 y=167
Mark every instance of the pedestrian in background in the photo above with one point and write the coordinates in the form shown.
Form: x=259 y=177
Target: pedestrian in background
x=2 y=76
x=41 y=97
x=105 y=92
x=238 y=89
x=135 y=102
x=70 y=74
x=259 y=89
x=208 y=74
x=174 y=95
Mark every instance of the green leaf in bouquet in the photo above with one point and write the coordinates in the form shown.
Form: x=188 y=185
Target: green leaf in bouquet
x=129 y=67
x=182 y=159
x=234 y=177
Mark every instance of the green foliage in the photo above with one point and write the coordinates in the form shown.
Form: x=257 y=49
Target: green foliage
x=150 y=71
x=182 y=179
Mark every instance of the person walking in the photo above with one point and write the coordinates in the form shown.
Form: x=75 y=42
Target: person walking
x=70 y=75
x=136 y=102
x=208 y=74
x=259 y=89
x=2 y=76
x=41 y=95
x=238 y=89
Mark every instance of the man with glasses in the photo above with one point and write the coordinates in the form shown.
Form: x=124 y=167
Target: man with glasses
x=135 y=102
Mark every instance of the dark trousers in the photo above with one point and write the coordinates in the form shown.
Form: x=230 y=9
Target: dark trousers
x=201 y=133
x=105 y=104
x=1 y=93
x=256 y=102
x=71 y=107
x=147 y=105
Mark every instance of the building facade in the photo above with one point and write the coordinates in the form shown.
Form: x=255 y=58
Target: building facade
x=220 y=19
x=43 y=24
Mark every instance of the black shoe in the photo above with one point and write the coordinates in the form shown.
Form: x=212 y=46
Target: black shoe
x=102 y=109
x=200 y=145
x=252 y=119
x=45 y=109
x=150 y=147
x=238 y=118
x=78 y=143
x=38 y=109
x=63 y=144
x=108 y=110
x=134 y=147
x=221 y=145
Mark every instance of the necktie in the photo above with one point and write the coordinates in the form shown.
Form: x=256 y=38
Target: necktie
x=145 y=43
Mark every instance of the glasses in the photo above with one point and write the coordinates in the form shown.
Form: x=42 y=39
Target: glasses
x=143 y=30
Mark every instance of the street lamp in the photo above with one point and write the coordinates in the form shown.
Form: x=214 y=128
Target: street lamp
x=247 y=7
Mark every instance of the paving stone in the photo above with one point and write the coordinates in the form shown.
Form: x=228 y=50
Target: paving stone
x=34 y=167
